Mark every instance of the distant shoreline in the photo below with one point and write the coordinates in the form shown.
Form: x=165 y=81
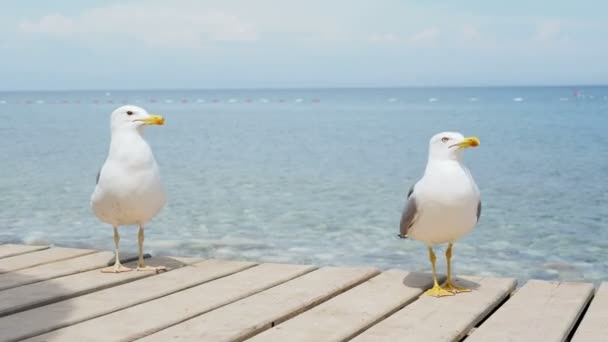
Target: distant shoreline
x=574 y=86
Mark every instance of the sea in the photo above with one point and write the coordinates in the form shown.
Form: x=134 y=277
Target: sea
x=320 y=176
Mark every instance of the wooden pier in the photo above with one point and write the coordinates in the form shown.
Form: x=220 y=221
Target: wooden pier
x=59 y=294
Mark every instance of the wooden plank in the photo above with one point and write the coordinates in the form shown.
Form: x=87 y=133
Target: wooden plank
x=140 y=320
x=187 y=260
x=45 y=256
x=351 y=312
x=58 y=315
x=53 y=290
x=259 y=312
x=9 y=249
x=57 y=269
x=594 y=326
x=442 y=319
x=539 y=310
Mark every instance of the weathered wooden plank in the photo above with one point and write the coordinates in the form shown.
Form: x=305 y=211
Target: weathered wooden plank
x=351 y=312
x=25 y=297
x=9 y=249
x=251 y=315
x=187 y=260
x=58 y=315
x=56 y=269
x=539 y=310
x=442 y=319
x=594 y=326
x=45 y=256
x=140 y=320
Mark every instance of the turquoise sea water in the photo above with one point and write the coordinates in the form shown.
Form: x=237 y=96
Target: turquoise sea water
x=320 y=176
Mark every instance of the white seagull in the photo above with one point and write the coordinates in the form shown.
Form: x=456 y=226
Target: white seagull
x=444 y=204
x=129 y=190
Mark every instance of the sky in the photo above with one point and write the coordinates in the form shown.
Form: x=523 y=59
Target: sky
x=86 y=44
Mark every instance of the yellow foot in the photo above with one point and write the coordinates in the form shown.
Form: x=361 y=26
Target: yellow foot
x=115 y=269
x=156 y=269
x=438 y=291
x=455 y=289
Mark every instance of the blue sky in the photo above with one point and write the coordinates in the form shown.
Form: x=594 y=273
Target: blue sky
x=85 y=44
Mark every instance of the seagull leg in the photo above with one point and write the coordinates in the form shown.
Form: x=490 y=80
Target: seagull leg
x=449 y=285
x=118 y=267
x=140 y=262
x=436 y=290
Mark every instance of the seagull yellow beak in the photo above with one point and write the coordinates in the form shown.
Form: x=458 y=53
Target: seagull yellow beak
x=153 y=120
x=468 y=142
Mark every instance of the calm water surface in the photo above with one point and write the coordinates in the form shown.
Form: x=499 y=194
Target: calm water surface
x=320 y=176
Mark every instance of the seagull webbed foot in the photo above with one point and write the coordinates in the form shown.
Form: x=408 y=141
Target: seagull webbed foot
x=117 y=268
x=453 y=288
x=156 y=269
x=438 y=291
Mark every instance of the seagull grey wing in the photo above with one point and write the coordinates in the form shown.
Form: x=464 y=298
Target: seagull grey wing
x=98 y=174
x=409 y=193
x=409 y=214
x=408 y=217
x=478 y=210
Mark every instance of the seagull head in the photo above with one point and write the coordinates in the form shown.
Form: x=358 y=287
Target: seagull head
x=450 y=145
x=133 y=117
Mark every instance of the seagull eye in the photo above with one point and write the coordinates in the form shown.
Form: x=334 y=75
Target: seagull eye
x=129 y=112
x=445 y=139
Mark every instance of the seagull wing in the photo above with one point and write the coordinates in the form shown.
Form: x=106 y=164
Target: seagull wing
x=478 y=210
x=409 y=214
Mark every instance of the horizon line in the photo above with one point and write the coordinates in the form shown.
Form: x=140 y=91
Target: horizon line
x=312 y=88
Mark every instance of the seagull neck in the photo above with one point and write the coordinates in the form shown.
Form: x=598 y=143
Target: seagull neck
x=126 y=137
x=128 y=132
x=434 y=162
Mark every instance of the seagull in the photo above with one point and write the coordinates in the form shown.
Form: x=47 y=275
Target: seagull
x=129 y=190
x=444 y=205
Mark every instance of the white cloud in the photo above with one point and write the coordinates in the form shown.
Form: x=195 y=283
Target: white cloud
x=427 y=35
x=52 y=24
x=470 y=33
x=548 y=29
x=384 y=38
x=188 y=26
